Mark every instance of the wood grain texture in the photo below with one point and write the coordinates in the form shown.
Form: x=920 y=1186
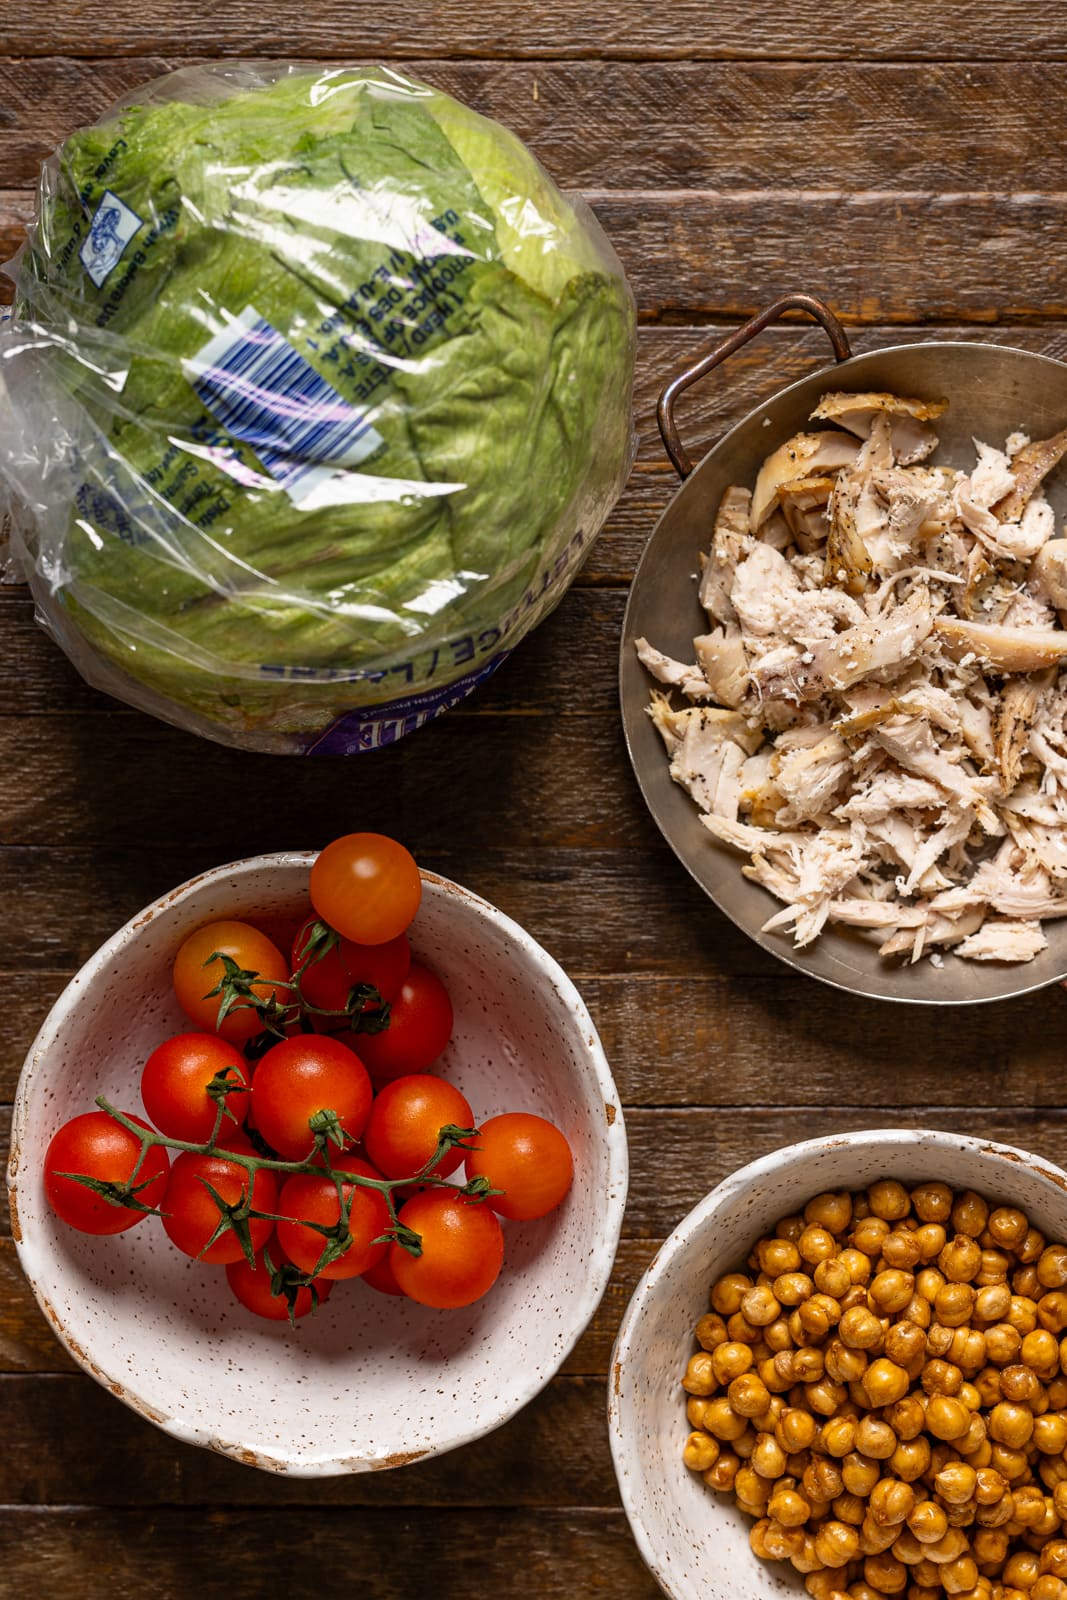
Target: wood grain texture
x=650 y=125
x=684 y=30
x=303 y=1553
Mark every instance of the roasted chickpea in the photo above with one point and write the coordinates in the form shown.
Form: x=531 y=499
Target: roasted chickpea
x=902 y=1249
x=721 y=1476
x=889 y=1200
x=987 y=1382
x=814 y=1318
x=727 y=1294
x=918 y=1311
x=723 y=1421
x=694 y=1411
x=836 y=1544
x=1025 y=1282
x=995 y=1267
x=838 y=1436
x=869 y=1236
x=1019 y=1384
x=992 y=1303
x=942 y=1377
x=1052 y=1311
x=990 y=1487
x=789 y=1508
x=759 y=1306
x=960 y=1259
x=1023 y=1314
x=795 y=1430
x=959 y=1575
x=967 y=1350
x=890 y=1291
x=955 y=1483
x=701 y=1452
x=730 y=1360
x=974 y=1440
x=777 y=1336
x=860 y=1329
x=905 y=1344
x=768 y=1457
x=850 y=1508
x=891 y=1502
x=1049 y=1587
x=822 y=1479
x=1053 y=1558
x=954 y=1304
x=1050 y=1434
x=1032 y=1246
x=748 y=1395
x=700 y=1375
x=859 y=1474
x=884 y=1382
x=844 y=1365
x=816 y=1244
x=1002 y=1344
x=809 y=1364
x=1008 y=1226
x=928 y=1522
x=989 y=1546
x=932 y=1202
x=947 y=1418
x=738 y=1327
x=857 y=1265
x=776 y=1256
x=832 y=1211
x=1028 y=1505
x=826 y=1397
x=875 y=1439
x=885 y=1573
x=751 y=1489
x=1009 y=1462
x=832 y=1278
x=1052 y=1266
x=970 y=1213
x=793 y=1288
x=907 y=1417
x=1056 y=1389
x=1040 y=1352
x=1021 y=1570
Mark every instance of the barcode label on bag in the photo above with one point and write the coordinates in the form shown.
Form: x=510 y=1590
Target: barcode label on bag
x=264 y=393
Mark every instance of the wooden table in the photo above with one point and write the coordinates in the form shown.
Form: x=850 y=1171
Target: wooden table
x=906 y=161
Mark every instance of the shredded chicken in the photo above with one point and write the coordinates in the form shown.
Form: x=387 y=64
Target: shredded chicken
x=876 y=716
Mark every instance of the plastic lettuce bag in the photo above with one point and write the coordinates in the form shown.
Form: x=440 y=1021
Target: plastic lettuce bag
x=316 y=392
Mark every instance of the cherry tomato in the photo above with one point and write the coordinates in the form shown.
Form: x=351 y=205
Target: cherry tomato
x=420 y=1025
x=252 y=1288
x=98 y=1147
x=382 y=1277
x=328 y=981
x=301 y=1076
x=193 y=980
x=312 y=1198
x=528 y=1158
x=367 y=886
x=174 y=1085
x=190 y=1215
x=462 y=1249
x=405 y=1120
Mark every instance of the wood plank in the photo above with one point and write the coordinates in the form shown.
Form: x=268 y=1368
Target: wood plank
x=631 y=29
x=67 y=1442
x=703 y=254
x=673 y=124
x=303 y=1553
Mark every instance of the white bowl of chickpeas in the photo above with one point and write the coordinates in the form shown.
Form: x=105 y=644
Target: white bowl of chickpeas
x=845 y=1374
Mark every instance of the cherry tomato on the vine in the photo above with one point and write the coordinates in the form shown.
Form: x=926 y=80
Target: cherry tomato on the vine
x=462 y=1249
x=420 y=1025
x=96 y=1146
x=190 y=1215
x=528 y=1158
x=252 y=1286
x=312 y=1197
x=405 y=1122
x=367 y=886
x=298 y=1078
x=328 y=980
x=382 y=1277
x=193 y=980
x=175 y=1080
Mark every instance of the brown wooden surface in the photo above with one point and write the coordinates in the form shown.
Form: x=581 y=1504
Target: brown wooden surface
x=907 y=162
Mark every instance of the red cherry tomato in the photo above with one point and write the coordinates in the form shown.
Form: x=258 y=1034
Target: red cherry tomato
x=190 y=1215
x=327 y=981
x=96 y=1146
x=528 y=1158
x=174 y=1085
x=420 y=1025
x=462 y=1249
x=195 y=975
x=405 y=1122
x=367 y=886
x=304 y=1075
x=312 y=1198
x=252 y=1286
x=382 y=1277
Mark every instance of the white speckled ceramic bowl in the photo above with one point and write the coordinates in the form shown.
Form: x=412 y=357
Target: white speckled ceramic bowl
x=371 y=1381
x=694 y=1540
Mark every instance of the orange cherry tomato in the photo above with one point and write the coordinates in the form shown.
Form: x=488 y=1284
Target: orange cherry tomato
x=462 y=1249
x=196 y=974
x=367 y=886
x=528 y=1158
x=406 y=1120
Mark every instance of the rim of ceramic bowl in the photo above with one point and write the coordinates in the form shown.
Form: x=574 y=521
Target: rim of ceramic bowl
x=734 y=1184
x=598 y=1264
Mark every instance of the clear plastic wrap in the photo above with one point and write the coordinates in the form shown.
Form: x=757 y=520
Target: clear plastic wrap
x=316 y=393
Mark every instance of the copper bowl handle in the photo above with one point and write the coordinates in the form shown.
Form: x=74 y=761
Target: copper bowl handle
x=668 y=428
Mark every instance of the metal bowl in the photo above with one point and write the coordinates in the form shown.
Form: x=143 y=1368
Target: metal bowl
x=992 y=390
